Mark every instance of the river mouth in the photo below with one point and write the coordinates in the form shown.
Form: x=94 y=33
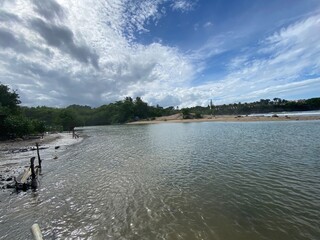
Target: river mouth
x=177 y=181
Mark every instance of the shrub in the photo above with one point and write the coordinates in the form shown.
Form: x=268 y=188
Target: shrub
x=17 y=126
x=198 y=115
x=38 y=126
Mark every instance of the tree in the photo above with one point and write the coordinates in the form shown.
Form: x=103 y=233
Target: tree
x=17 y=126
x=277 y=100
x=314 y=103
x=69 y=119
x=125 y=111
x=211 y=108
x=9 y=100
x=39 y=126
x=185 y=113
x=141 y=109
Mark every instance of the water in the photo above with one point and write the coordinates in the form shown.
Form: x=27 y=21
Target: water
x=292 y=113
x=213 y=180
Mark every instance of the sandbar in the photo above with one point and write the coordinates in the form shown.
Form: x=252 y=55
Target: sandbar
x=177 y=118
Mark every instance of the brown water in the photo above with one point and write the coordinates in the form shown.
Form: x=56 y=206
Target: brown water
x=177 y=181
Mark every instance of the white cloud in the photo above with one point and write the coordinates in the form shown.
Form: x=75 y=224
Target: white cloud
x=183 y=5
x=207 y=24
x=85 y=52
x=283 y=63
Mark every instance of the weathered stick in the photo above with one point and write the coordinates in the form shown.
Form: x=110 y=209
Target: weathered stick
x=36 y=232
x=39 y=159
x=34 y=182
x=33 y=173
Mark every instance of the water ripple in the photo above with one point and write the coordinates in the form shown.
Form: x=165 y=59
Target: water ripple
x=179 y=181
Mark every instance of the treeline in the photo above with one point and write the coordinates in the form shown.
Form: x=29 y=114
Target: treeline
x=123 y=111
x=17 y=121
x=262 y=106
x=129 y=110
x=12 y=122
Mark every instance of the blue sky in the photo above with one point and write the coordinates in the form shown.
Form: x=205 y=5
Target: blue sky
x=169 y=52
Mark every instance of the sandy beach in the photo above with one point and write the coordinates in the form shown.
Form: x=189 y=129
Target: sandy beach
x=177 y=118
x=15 y=154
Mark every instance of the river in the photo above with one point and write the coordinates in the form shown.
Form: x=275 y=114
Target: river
x=258 y=180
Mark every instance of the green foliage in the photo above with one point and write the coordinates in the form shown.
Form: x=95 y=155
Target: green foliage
x=141 y=109
x=125 y=111
x=20 y=126
x=261 y=106
x=185 y=113
x=114 y=113
x=69 y=119
x=313 y=103
x=17 y=126
x=9 y=100
x=197 y=115
x=38 y=126
x=13 y=123
x=130 y=110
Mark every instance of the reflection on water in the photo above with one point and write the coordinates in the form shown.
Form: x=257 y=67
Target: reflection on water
x=178 y=181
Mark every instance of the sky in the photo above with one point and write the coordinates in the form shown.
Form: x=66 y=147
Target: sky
x=168 y=52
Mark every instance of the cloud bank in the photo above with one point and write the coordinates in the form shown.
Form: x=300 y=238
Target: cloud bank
x=58 y=53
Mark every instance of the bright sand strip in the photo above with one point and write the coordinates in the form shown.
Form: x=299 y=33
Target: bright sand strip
x=177 y=118
x=48 y=140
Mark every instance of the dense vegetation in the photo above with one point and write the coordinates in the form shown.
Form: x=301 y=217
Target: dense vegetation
x=262 y=106
x=12 y=122
x=17 y=121
x=114 y=113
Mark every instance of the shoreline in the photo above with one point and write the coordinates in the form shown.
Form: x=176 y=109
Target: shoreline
x=177 y=118
x=15 y=155
x=8 y=145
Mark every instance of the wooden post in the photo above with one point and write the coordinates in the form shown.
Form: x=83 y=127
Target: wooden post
x=33 y=173
x=34 y=183
x=36 y=232
x=39 y=159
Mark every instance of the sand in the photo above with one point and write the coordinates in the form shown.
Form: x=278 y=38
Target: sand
x=177 y=118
